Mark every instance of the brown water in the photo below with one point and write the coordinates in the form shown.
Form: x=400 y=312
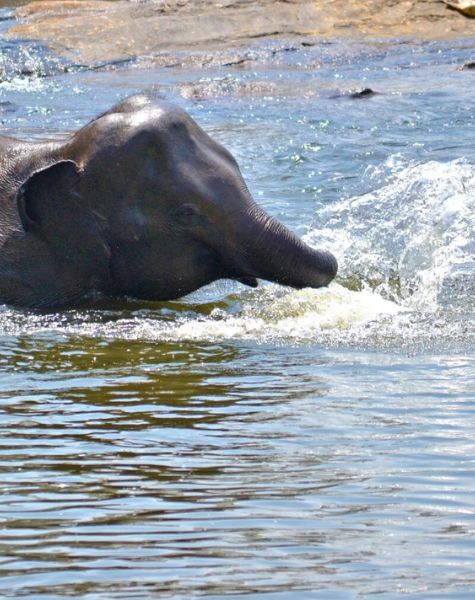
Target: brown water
x=134 y=469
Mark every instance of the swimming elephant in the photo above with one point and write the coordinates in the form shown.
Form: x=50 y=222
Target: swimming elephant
x=140 y=202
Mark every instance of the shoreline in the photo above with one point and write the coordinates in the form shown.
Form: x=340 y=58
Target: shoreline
x=91 y=31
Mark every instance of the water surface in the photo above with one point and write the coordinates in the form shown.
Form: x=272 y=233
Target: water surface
x=264 y=443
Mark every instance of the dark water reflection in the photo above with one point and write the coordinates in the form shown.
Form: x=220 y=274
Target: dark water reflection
x=130 y=470
x=146 y=459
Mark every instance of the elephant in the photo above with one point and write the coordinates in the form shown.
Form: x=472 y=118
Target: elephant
x=138 y=203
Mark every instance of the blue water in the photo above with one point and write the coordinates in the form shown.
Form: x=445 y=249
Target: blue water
x=269 y=443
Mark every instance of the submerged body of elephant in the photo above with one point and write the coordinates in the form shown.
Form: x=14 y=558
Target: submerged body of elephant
x=140 y=202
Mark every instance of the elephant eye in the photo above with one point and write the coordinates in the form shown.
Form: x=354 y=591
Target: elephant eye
x=188 y=213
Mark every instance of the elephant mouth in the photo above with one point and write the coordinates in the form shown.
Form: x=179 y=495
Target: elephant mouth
x=238 y=272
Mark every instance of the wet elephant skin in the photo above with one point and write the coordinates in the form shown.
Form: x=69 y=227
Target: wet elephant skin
x=140 y=202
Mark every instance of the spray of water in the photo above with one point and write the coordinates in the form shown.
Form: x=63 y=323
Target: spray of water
x=411 y=237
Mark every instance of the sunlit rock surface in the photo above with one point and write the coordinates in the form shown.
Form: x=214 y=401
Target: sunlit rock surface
x=95 y=30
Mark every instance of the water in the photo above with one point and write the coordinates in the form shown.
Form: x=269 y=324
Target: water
x=267 y=443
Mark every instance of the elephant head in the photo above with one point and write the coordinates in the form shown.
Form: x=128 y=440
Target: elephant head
x=147 y=205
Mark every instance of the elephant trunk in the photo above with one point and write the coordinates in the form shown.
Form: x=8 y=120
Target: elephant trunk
x=274 y=253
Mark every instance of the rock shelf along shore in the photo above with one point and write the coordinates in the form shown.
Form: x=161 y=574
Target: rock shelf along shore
x=90 y=31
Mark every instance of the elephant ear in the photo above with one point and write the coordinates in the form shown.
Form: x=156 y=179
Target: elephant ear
x=45 y=193
x=50 y=206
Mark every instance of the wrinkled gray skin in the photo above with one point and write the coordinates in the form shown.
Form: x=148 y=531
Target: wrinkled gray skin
x=140 y=202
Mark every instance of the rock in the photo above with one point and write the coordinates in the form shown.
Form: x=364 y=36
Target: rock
x=8 y=107
x=97 y=31
x=364 y=93
x=466 y=7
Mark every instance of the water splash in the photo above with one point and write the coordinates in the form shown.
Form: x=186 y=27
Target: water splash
x=268 y=314
x=411 y=237
x=20 y=60
x=275 y=314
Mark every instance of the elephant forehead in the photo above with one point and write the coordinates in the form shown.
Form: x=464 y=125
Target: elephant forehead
x=161 y=118
x=155 y=122
x=144 y=117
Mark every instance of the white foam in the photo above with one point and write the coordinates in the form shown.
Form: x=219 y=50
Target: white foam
x=299 y=315
x=23 y=84
x=267 y=314
x=408 y=237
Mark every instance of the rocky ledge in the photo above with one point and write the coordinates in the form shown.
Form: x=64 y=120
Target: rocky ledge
x=90 y=31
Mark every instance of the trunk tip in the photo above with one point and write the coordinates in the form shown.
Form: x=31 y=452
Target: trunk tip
x=328 y=266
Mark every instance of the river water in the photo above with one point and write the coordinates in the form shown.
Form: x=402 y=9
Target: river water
x=269 y=443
